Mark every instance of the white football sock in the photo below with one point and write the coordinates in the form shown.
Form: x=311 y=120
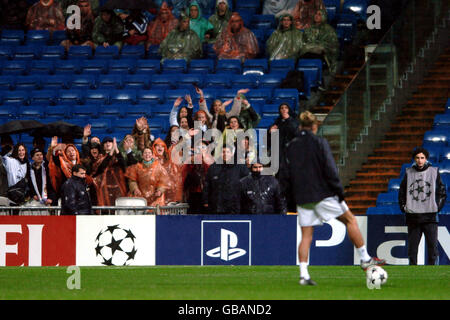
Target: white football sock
x=304 y=270
x=363 y=253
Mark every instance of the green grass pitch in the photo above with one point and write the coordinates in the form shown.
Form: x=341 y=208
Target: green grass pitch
x=223 y=283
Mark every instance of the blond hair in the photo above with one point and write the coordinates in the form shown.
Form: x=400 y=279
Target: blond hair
x=307 y=119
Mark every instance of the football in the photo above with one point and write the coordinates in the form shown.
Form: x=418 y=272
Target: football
x=376 y=276
x=115 y=246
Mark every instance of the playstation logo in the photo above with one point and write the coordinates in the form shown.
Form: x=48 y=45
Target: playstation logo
x=226 y=242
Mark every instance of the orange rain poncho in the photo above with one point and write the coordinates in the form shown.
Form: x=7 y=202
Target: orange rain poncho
x=60 y=167
x=304 y=12
x=159 y=28
x=241 y=44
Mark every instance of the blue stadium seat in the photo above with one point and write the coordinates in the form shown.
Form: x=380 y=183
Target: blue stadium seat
x=12 y=37
x=6 y=52
x=96 y=67
x=71 y=97
x=44 y=67
x=153 y=53
x=138 y=110
x=8 y=112
x=201 y=66
x=171 y=95
x=159 y=124
x=444 y=154
x=109 y=81
x=43 y=97
x=35 y=112
x=282 y=65
x=124 y=124
x=27 y=52
x=346 y=27
x=446 y=180
x=434 y=153
x=133 y=52
x=310 y=79
x=67 y=66
x=314 y=63
x=125 y=96
x=444 y=167
x=148 y=67
x=98 y=96
x=83 y=81
x=136 y=81
x=239 y=81
x=384 y=210
x=58 y=112
x=263 y=21
x=101 y=125
x=271 y=80
x=87 y=111
x=442 y=121
x=174 y=66
x=162 y=110
x=253 y=6
x=387 y=198
x=187 y=81
x=332 y=12
x=394 y=184
x=270 y=109
x=163 y=81
x=122 y=66
x=7 y=82
x=286 y=95
x=53 y=53
x=208 y=51
x=58 y=36
x=79 y=52
x=356 y=7
x=438 y=137
x=229 y=66
x=114 y=110
x=218 y=81
x=262 y=95
x=266 y=122
x=15 y=67
x=255 y=66
x=225 y=94
x=110 y=52
x=38 y=37
x=27 y=82
x=153 y=96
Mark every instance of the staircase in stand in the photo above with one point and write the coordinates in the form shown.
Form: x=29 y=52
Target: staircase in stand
x=406 y=133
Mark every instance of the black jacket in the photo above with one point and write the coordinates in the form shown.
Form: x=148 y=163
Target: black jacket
x=75 y=197
x=221 y=190
x=441 y=196
x=309 y=169
x=261 y=195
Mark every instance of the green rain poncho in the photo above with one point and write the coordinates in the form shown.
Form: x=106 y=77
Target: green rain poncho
x=220 y=22
x=200 y=25
x=321 y=38
x=181 y=44
x=284 y=44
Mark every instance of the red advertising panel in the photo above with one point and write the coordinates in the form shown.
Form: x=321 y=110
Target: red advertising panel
x=37 y=240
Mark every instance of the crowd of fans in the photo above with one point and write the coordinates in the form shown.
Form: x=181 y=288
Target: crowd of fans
x=180 y=28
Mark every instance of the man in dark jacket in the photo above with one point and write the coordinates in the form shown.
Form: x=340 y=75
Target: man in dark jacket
x=221 y=194
x=421 y=196
x=312 y=173
x=261 y=194
x=75 y=193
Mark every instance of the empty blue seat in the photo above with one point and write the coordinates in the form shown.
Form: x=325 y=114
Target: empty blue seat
x=94 y=67
x=110 y=81
x=282 y=65
x=263 y=21
x=332 y=12
x=16 y=97
x=153 y=96
x=71 y=97
x=442 y=121
x=225 y=94
x=98 y=96
x=290 y=96
x=208 y=50
x=444 y=167
x=148 y=66
x=125 y=124
x=161 y=110
x=86 y=111
x=27 y=52
x=317 y=63
x=229 y=66
x=7 y=82
x=134 y=52
x=35 y=112
x=58 y=36
x=253 y=6
x=52 y=52
x=101 y=125
x=6 y=52
x=310 y=79
x=38 y=37
x=125 y=96
x=58 y=112
x=394 y=184
x=255 y=66
x=266 y=122
x=434 y=153
x=271 y=80
x=110 y=52
x=171 y=95
x=67 y=66
x=44 y=67
x=384 y=210
x=174 y=66
x=356 y=7
x=444 y=153
x=8 y=112
x=136 y=81
x=15 y=67
x=270 y=109
x=79 y=52
x=83 y=81
x=43 y=97
x=163 y=81
x=387 y=198
x=262 y=95
x=12 y=37
x=159 y=124
x=439 y=137
x=138 y=110
x=153 y=53
x=201 y=66
x=188 y=81
x=111 y=111
x=346 y=27
x=122 y=66
x=218 y=81
x=27 y=82
x=239 y=81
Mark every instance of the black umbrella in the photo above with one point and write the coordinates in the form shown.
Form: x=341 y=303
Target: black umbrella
x=59 y=129
x=20 y=126
x=130 y=5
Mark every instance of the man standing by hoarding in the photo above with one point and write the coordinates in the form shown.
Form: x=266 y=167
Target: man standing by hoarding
x=75 y=198
x=311 y=171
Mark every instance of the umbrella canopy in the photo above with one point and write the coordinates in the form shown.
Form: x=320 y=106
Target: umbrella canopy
x=59 y=129
x=130 y=5
x=20 y=126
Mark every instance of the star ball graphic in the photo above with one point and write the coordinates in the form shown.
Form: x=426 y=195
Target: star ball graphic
x=420 y=190
x=115 y=246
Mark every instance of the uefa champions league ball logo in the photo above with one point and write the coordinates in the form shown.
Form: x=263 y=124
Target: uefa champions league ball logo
x=115 y=246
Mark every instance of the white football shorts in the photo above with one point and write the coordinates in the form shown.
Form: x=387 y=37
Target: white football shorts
x=315 y=214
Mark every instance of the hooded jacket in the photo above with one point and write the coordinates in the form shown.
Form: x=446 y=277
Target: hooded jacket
x=284 y=44
x=200 y=25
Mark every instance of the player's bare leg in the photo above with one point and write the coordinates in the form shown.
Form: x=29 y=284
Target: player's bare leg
x=303 y=254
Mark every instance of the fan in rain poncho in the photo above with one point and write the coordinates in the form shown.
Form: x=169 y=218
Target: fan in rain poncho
x=220 y=17
x=286 y=41
x=197 y=22
x=304 y=12
x=159 y=28
x=278 y=7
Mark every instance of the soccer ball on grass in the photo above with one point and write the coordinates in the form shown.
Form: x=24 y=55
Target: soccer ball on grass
x=376 y=276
